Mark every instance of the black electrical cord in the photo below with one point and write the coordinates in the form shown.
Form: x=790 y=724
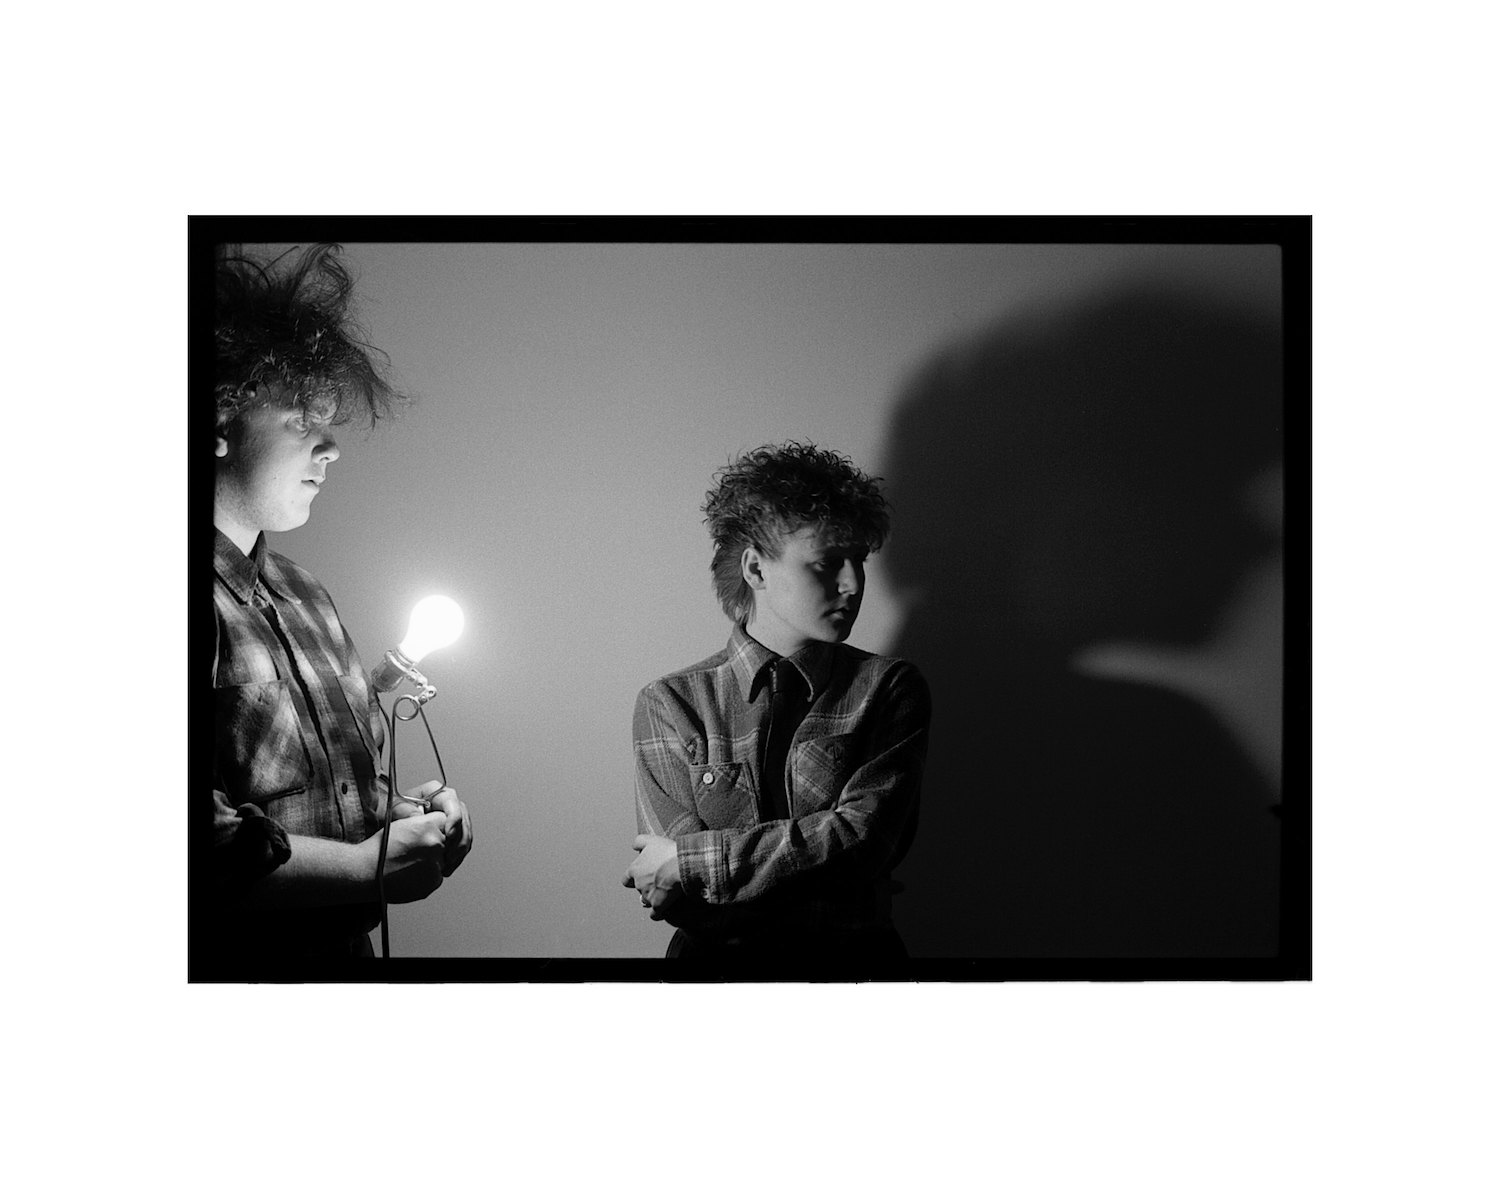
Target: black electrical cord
x=391 y=795
x=385 y=839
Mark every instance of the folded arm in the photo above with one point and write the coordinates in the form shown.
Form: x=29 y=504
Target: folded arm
x=862 y=834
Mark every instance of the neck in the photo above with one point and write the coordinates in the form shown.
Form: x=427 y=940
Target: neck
x=775 y=640
x=241 y=535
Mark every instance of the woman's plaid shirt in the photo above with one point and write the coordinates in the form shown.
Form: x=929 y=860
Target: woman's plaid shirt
x=853 y=776
x=298 y=733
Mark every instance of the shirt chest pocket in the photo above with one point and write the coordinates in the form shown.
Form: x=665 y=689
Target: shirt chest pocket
x=820 y=768
x=723 y=795
x=259 y=753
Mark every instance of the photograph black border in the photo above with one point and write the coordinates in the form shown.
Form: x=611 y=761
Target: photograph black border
x=1293 y=234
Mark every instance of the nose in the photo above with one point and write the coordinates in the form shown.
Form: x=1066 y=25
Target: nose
x=851 y=577
x=327 y=449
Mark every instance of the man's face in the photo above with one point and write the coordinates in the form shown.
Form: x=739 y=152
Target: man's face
x=810 y=592
x=271 y=463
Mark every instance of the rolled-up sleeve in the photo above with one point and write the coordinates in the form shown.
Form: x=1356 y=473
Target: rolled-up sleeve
x=246 y=845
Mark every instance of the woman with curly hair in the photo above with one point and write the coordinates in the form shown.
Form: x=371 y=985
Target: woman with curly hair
x=777 y=780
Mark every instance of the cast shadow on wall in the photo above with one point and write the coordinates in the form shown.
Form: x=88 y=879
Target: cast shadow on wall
x=1070 y=480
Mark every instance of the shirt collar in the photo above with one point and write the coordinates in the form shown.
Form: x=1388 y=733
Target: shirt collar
x=750 y=660
x=238 y=570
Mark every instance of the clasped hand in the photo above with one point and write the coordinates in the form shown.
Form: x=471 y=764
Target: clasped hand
x=654 y=873
x=426 y=846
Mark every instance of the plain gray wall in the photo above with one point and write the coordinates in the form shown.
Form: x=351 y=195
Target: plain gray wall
x=573 y=402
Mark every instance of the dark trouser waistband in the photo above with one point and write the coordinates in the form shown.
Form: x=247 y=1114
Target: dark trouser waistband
x=853 y=947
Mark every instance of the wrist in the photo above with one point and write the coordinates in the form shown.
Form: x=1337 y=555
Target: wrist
x=369 y=861
x=670 y=872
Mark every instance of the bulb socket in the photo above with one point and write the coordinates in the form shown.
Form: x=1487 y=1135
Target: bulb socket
x=394 y=670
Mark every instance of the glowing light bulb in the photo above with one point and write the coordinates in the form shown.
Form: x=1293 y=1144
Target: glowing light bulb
x=435 y=622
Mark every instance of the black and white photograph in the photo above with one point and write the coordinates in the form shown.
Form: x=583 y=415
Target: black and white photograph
x=801 y=600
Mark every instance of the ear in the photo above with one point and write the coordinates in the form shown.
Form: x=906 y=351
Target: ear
x=752 y=569
x=221 y=446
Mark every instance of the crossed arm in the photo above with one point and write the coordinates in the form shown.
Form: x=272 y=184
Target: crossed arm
x=690 y=874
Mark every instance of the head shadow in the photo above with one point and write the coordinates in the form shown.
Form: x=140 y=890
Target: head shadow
x=1087 y=476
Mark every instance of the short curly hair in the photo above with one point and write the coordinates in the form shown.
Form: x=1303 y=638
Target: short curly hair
x=284 y=334
x=767 y=495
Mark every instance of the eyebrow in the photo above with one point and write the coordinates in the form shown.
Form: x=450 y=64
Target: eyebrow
x=842 y=549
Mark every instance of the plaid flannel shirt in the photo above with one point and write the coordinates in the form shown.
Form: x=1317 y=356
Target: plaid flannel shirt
x=853 y=776
x=298 y=735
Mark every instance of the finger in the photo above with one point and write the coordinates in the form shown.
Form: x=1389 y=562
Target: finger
x=457 y=827
x=444 y=800
x=431 y=788
x=429 y=827
x=460 y=837
x=405 y=808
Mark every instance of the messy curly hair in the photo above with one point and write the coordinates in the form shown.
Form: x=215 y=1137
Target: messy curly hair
x=284 y=334
x=768 y=494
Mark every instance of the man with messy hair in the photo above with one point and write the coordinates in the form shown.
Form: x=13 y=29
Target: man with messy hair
x=777 y=781
x=285 y=867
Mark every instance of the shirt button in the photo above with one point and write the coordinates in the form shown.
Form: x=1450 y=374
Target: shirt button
x=708 y=776
x=344 y=787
